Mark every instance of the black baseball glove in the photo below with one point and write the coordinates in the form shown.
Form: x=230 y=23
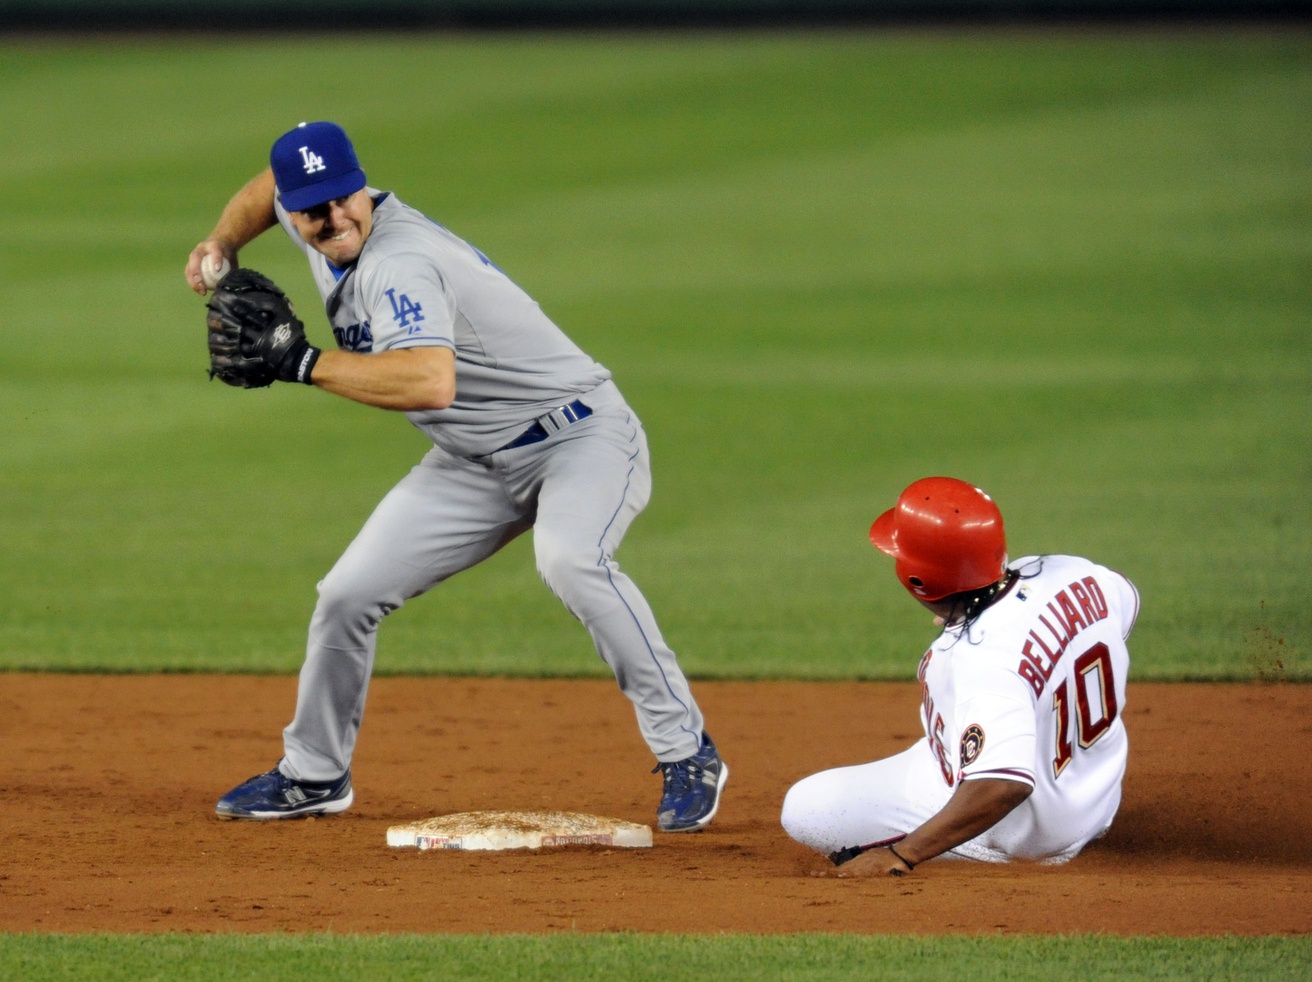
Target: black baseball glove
x=255 y=336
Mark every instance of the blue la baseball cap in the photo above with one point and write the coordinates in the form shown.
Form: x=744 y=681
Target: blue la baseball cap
x=315 y=163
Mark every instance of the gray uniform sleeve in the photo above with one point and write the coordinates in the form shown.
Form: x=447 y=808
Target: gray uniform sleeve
x=417 y=284
x=407 y=304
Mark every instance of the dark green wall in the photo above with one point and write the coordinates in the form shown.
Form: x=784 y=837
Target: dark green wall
x=139 y=14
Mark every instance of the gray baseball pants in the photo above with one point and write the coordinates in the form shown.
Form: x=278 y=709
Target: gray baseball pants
x=578 y=491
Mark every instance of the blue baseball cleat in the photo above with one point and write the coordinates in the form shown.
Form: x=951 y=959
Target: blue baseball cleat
x=692 y=789
x=274 y=795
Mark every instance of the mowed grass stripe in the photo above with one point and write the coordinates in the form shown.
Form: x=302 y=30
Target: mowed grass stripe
x=1068 y=267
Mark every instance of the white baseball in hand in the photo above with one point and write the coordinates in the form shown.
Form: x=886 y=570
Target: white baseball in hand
x=210 y=274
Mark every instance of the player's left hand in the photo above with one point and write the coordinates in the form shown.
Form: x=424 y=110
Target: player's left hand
x=873 y=862
x=255 y=336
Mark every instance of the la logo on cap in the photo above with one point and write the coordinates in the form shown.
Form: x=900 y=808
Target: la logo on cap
x=313 y=162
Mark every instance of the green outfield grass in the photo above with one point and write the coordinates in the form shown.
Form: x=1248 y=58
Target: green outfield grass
x=1075 y=268
x=1071 y=268
x=648 y=958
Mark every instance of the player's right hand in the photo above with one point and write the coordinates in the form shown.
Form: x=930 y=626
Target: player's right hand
x=217 y=252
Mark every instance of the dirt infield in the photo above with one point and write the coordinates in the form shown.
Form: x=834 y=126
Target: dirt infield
x=106 y=814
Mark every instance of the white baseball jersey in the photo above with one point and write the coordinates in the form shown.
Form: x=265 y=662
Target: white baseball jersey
x=1034 y=692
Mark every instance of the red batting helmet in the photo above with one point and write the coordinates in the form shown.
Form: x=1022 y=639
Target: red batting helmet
x=946 y=536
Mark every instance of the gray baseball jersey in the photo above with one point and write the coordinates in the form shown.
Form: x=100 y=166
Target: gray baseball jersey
x=416 y=284
x=578 y=488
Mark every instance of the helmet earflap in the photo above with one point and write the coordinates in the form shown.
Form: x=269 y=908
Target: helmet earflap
x=947 y=537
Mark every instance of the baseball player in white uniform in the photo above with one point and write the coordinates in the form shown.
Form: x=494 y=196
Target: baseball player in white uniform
x=528 y=432
x=1022 y=698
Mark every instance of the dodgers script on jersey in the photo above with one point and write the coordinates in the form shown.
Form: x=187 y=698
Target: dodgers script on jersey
x=417 y=284
x=1034 y=692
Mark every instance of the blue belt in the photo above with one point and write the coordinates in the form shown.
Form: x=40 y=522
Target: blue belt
x=546 y=425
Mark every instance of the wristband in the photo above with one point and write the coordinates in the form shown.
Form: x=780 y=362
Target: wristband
x=901 y=858
x=297 y=362
x=305 y=364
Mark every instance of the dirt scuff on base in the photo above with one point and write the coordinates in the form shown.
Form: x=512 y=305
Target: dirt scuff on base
x=109 y=783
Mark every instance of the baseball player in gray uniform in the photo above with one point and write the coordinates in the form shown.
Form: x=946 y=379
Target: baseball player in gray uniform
x=528 y=432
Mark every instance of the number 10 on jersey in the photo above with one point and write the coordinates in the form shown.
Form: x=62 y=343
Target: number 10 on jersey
x=1092 y=705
